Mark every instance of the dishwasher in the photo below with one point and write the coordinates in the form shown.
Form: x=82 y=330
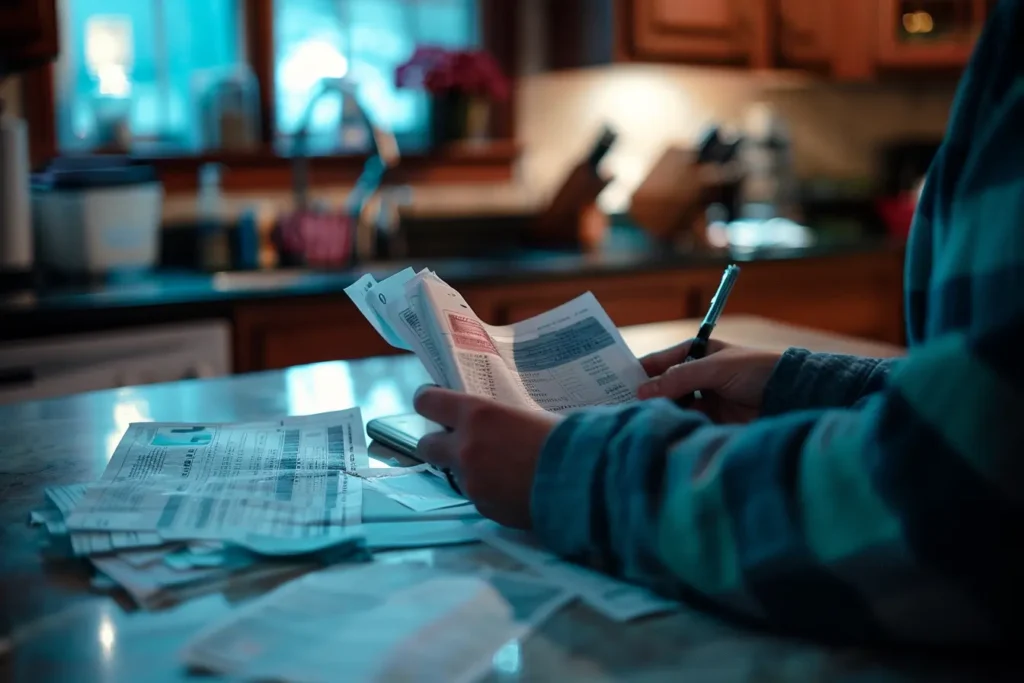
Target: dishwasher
x=36 y=369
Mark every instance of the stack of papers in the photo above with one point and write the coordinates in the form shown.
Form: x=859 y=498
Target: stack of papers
x=186 y=505
x=568 y=358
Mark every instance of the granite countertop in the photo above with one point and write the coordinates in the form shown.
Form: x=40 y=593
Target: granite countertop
x=178 y=287
x=54 y=624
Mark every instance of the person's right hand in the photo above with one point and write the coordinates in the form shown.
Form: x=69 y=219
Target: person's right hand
x=731 y=379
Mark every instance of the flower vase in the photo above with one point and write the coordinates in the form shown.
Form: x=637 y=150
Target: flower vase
x=478 y=120
x=457 y=117
x=448 y=118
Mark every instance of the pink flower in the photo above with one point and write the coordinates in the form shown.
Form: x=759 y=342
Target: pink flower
x=472 y=72
x=412 y=74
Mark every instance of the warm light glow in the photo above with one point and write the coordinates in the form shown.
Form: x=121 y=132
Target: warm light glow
x=918 y=22
x=925 y=22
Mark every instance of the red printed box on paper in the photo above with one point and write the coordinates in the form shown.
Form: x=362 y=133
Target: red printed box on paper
x=469 y=335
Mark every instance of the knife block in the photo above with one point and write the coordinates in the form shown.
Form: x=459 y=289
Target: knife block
x=672 y=201
x=572 y=220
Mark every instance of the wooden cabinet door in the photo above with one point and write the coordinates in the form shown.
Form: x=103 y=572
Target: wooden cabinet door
x=856 y=295
x=701 y=31
x=275 y=335
x=806 y=31
x=928 y=34
x=636 y=307
x=28 y=33
x=633 y=299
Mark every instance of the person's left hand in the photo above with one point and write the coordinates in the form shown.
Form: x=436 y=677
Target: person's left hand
x=490 y=448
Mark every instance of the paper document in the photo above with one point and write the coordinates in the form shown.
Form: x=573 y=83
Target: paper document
x=568 y=358
x=284 y=478
x=617 y=600
x=417 y=534
x=376 y=623
x=419 y=491
x=143 y=583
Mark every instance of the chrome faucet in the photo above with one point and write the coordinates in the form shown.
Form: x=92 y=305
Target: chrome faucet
x=384 y=155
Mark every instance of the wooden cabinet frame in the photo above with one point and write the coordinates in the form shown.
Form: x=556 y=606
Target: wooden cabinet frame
x=28 y=29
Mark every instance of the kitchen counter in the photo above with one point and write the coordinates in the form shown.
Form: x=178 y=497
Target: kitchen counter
x=54 y=627
x=276 y=319
x=134 y=297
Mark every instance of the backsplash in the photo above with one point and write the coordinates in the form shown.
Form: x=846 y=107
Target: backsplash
x=836 y=130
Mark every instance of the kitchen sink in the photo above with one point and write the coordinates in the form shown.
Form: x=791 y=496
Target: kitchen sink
x=268 y=279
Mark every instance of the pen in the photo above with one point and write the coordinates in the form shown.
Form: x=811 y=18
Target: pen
x=699 y=346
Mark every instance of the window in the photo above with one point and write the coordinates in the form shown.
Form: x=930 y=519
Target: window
x=133 y=69
x=149 y=73
x=365 y=40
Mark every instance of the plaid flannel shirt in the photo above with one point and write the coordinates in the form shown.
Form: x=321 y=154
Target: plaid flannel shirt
x=873 y=499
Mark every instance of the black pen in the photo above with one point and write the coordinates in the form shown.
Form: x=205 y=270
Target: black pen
x=699 y=346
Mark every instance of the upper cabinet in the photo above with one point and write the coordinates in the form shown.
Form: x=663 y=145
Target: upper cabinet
x=845 y=40
x=915 y=34
x=28 y=34
x=804 y=33
x=695 y=31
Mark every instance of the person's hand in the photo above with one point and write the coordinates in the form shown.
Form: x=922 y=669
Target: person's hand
x=731 y=379
x=490 y=449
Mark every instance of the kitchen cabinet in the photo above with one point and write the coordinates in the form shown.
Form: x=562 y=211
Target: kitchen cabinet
x=928 y=34
x=843 y=40
x=28 y=34
x=632 y=299
x=858 y=295
x=698 y=31
x=805 y=33
x=280 y=334
x=855 y=294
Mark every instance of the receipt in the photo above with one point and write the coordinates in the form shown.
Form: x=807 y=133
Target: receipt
x=378 y=297
x=375 y=623
x=617 y=600
x=283 y=478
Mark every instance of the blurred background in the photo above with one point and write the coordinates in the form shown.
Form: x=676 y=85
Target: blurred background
x=188 y=185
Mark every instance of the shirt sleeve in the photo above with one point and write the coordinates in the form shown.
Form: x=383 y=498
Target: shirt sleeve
x=899 y=519
x=803 y=380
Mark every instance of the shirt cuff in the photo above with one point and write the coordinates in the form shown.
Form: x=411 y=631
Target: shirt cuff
x=783 y=382
x=561 y=493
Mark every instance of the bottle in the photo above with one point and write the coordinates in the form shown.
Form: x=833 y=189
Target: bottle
x=214 y=247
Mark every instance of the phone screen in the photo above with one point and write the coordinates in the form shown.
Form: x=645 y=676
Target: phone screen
x=401 y=433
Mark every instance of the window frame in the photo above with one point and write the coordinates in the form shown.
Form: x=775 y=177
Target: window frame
x=266 y=169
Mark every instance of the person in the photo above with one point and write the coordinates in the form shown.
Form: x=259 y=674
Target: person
x=842 y=497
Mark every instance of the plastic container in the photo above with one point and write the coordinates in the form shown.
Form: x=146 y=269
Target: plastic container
x=93 y=220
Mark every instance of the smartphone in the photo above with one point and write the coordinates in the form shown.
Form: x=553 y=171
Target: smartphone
x=401 y=433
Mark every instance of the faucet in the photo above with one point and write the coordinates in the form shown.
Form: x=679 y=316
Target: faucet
x=384 y=156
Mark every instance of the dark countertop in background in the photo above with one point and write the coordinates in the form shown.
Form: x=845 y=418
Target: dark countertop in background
x=167 y=296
